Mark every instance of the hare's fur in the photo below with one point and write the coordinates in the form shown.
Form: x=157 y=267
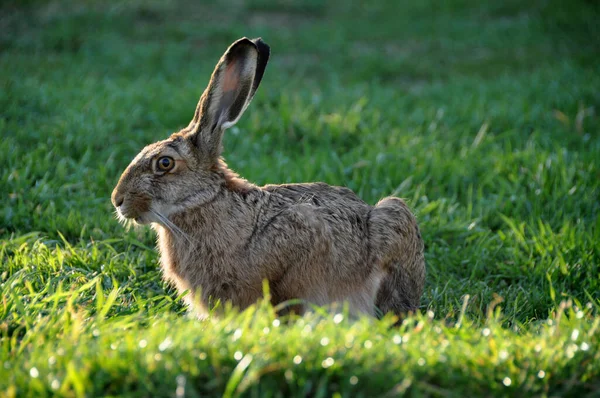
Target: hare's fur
x=220 y=236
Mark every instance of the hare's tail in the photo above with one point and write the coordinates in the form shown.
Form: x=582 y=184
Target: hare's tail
x=397 y=247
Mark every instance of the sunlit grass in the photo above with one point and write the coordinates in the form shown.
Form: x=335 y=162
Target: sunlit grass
x=75 y=331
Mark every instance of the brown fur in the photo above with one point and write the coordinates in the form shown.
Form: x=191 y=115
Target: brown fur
x=220 y=236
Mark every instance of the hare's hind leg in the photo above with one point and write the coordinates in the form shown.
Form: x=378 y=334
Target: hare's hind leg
x=397 y=247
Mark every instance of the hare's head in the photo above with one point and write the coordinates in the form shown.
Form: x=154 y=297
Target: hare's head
x=185 y=170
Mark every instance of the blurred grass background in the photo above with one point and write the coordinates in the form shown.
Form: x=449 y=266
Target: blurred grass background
x=483 y=115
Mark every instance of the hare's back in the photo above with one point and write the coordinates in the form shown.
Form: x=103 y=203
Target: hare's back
x=338 y=222
x=320 y=195
x=339 y=207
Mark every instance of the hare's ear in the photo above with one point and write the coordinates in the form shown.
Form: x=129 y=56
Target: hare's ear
x=232 y=86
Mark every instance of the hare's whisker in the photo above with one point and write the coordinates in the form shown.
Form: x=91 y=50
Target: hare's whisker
x=171 y=226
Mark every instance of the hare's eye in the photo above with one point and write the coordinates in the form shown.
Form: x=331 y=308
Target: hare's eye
x=165 y=163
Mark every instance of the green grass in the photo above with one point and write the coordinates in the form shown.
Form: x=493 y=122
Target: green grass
x=483 y=115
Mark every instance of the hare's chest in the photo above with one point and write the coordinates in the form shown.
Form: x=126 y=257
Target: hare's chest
x=216 y=271
x=223 y=278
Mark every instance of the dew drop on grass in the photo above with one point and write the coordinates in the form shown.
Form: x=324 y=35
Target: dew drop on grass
x=507 y=381
x=338 y=318
x=238 y=355
x=397 y=339
x=353 y=380
x=33 y=372
x=570 y=353
x=297 y=359
x=327 y=362
x=541 y=374
x=324 y=341
x=574 y=347
x=237 y=334
x=165 y=344
x=571 y=350
x=574 y=334
x=585 y=347
x=143 y=343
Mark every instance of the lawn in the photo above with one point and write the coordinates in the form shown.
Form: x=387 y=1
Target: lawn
x=482 y=115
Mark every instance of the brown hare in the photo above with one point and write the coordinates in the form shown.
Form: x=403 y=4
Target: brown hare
x=221 y=236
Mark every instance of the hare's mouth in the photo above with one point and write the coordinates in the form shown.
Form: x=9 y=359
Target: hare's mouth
x=141 y=220
x=125 y=215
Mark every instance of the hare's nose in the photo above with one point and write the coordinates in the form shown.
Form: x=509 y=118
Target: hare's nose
x=117 y=199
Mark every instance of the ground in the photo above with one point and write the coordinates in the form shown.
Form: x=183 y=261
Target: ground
x=482 y=115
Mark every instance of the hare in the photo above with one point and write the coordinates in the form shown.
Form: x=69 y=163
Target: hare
x=220 y=236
